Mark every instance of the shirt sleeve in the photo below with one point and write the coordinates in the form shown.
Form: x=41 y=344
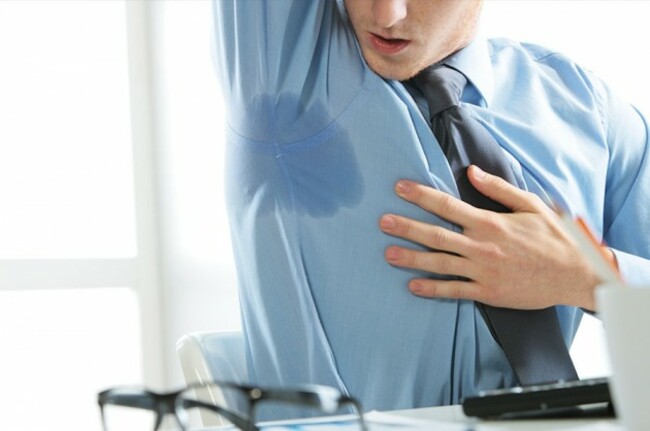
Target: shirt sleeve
x=626 y=215
x=287 y=67
x=288 y=70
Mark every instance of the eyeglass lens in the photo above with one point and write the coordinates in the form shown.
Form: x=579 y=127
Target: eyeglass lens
x=214 y=405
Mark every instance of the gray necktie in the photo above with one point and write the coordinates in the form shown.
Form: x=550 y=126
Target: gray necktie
x=531 y=339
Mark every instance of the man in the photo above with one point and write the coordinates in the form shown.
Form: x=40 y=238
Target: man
x=323 y=133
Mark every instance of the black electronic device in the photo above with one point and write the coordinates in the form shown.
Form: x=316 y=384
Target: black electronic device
x=589 y=397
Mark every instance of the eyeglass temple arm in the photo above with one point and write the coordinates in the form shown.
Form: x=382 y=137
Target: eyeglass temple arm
x=137 y=401
x=357 y=406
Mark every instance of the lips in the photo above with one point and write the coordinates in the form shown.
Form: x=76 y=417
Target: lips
x=388 y=46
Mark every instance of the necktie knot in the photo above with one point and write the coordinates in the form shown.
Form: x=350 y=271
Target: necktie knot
x=442 y=86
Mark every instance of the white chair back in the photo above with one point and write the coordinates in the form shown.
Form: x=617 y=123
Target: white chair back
x=212 y=356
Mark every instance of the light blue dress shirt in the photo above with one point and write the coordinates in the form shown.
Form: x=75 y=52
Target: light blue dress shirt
x=316 y=142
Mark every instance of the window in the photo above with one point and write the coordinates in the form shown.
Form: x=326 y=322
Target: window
x=65 y=162
x=69 y=309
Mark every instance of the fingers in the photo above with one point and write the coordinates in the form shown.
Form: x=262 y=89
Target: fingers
x=431 y=236
x=439 y=203
x=449 y=289
x=439 y=263
x=498 y=189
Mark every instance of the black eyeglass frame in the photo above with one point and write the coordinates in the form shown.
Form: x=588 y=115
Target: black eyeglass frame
x=324 y=398
x=164 y=403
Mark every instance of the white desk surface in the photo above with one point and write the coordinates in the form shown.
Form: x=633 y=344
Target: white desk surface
x=454 y=415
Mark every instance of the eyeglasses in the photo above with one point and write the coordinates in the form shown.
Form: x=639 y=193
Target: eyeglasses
x=222 y=403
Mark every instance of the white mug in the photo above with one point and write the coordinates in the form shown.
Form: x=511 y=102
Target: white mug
x=625 y=313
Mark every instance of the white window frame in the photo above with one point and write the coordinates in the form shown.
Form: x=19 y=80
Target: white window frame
x=141 y=273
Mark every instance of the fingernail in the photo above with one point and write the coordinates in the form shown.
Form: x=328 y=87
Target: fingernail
x=393 y=253
x=415 y=287
x=387 y=222
x=402 y=187
x=478 y=172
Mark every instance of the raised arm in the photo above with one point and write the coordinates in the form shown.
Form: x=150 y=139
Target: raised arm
x=277 y=61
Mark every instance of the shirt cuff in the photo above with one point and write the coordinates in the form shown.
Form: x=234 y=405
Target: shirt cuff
x=634 y=269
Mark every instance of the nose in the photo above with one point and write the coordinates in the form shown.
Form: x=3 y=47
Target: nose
x=387 y=13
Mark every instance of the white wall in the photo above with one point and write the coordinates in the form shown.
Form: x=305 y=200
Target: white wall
x=199 y=286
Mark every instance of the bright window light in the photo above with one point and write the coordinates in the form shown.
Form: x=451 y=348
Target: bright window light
x=61 y=347
x=66 y=193
x=65 y=147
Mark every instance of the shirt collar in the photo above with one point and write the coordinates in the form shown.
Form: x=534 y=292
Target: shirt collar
x=475 y=63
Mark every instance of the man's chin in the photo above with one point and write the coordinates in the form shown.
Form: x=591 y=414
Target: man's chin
x=396 y=71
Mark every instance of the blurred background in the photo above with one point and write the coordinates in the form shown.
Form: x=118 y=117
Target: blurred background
x=113 y=235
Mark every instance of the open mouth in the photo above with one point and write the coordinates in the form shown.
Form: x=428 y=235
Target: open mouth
x=386 y=45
